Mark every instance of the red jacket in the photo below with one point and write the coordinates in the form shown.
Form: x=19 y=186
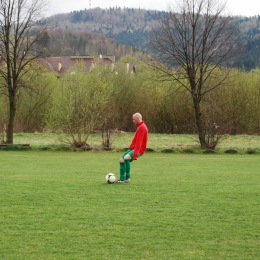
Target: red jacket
x=140 y=139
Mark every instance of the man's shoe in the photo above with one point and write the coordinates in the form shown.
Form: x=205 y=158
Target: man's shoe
x=127 y=180
x=120 y=181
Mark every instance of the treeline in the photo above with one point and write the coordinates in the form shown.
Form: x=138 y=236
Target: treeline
x=60 y=42
x=131 y=27
x=113 y=20
x=113 y=31
x=102 y=101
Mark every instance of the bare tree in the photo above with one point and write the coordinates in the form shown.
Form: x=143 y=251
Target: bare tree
x=197 y=44
x=19 y=31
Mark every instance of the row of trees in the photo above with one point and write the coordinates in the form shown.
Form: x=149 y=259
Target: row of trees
x=193 y=48
x=112 y=20
x=60 y=42
x=81 y=103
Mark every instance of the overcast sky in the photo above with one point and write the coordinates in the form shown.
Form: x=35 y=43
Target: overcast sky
x=235 y=7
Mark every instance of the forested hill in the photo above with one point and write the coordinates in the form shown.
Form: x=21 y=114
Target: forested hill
x=130 y=27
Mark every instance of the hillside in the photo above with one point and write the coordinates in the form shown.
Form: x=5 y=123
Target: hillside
x=128 y=26
x=122 y=31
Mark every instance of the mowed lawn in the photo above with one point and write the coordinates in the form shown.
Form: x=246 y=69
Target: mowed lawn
x=57 y=205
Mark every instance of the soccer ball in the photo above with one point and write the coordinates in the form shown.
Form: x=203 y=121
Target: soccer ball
x=110 y=178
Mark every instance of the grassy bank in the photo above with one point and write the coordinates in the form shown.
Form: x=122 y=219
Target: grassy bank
x=158 y=142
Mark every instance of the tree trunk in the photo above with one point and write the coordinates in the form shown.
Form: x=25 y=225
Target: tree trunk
x=10 y=127
x=199 y=124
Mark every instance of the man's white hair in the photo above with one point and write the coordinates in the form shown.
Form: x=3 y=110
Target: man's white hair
x=138 y=115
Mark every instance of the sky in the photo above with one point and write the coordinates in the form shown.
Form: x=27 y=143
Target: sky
x=234 y=7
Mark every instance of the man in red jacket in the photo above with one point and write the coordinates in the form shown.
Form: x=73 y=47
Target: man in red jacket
x=137 y=148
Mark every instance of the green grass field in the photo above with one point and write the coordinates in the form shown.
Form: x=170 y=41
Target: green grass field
x=56 y=205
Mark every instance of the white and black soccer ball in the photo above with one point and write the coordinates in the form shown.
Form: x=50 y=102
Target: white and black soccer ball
x=111 y=178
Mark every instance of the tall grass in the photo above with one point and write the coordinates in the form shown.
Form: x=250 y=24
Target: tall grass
x=56 y=205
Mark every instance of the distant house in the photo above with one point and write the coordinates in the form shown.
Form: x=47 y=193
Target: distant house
x=61 y=64
x=130 y=68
